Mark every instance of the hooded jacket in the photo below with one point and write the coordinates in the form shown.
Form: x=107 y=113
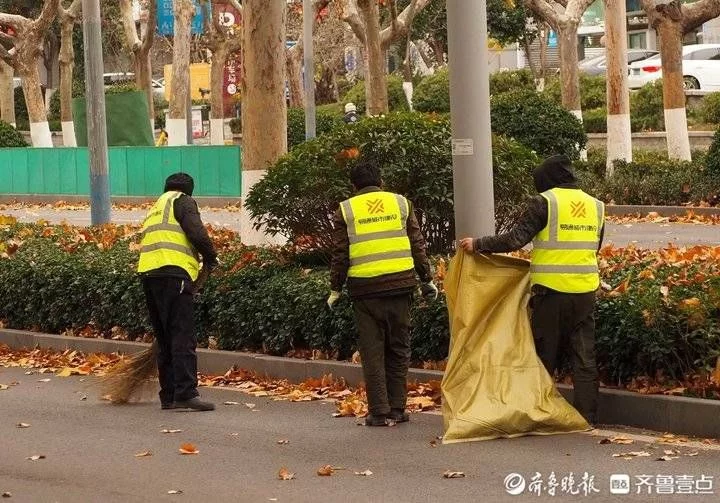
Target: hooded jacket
x=188 y=216
x=554 y=172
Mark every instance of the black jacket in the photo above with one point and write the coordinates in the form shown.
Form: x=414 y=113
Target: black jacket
x=555 y=172
x=188 y=216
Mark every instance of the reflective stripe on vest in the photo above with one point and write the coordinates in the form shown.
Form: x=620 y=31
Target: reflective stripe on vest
x=564 y=256
x=377 y=231
x=164 y=243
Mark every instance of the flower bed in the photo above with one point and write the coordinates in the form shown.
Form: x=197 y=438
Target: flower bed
x=657 y=328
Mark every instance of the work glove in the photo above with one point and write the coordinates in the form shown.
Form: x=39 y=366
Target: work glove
x=334 y=297
x=429 y=290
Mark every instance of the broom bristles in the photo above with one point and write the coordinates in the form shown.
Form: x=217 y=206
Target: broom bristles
x=126 y=378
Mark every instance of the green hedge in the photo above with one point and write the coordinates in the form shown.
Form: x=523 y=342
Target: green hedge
x=397 y=101
x=10 y=137
x=325 y=121
x=263 y=300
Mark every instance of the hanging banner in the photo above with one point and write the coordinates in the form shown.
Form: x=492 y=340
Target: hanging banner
x=166 y=18
x=230 y=18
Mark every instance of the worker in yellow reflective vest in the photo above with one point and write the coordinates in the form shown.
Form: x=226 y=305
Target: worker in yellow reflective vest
x=174 y=238
x=566 y=228
x=378 y=250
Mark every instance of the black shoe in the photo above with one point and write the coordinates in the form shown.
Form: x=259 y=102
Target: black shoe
x=399 y=416
x=194 y=404
x=168 y=406
x=372 y=420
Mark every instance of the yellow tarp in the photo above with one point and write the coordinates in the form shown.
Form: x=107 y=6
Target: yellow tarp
x=495 y=385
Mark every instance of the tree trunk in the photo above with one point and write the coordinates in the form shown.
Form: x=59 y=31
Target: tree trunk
x=7 y=94
x=39 y=127
x=407 y=76
x=619 y=137
x=143 y=81
x=569 y=76
x=376 y=93
x=67 y=64
x=180 y=88
x=543 y=57
x=294 y=76
x=264 y=110
x=678 y=141
x=217 y=101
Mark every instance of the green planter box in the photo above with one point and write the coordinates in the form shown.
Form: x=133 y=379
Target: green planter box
x=128 y=122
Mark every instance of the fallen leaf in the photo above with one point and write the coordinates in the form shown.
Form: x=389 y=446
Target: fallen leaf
x=7 y=495
x=231 y=403
x=43 y=380
x=284 y=474
x=4 y=387
x=36 y=457
x=83 y=397
x=22 y=425
x=175 y=491
x=620 y=440
x=170 y=431
x=325 y=471
x=670 y=452
x=667 y=458
x=693 y=454
x=433 y=443
x=66 y=372
x=631 y=455
x=365 y=473
x=283 y=442
x=669 y=438
x=250 y=406
x=188 y=449
x=143 y=454
x=453 y=475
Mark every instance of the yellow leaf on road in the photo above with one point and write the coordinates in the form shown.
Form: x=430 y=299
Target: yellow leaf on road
x=285 y=474
x=188 y=449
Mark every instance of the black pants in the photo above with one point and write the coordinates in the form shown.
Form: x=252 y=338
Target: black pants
x=170 y=305
x=562 y=320
x=384 y=327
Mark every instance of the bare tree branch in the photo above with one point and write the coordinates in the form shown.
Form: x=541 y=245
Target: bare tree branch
x=128 y=22
x=400 y=25
x=16 y=22
x=149 y=36
x=47 y=15
x=545 y=11
x=576 y=8
x=350 y=14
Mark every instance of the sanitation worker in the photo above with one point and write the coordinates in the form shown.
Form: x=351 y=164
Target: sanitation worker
x=351 y=116
x=173 y=236
x=378 y=250
x=566 y=228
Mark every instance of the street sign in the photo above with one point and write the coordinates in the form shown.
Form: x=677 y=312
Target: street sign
x=166 y=18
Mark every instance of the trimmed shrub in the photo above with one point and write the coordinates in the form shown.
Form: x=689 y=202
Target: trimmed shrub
x=505 y=81
x=650 y=179
x=397 y=102
x=538 y=123
x=433 y=93
x=595 y=121
x=325 y=121
x=236 y=125
x=646 y=108
x=710 y=109
x=299 y=195
x=10 y=137
x=593 y=92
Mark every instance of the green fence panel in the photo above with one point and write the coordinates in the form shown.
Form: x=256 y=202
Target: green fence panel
x=127 y=119
x=134 y=171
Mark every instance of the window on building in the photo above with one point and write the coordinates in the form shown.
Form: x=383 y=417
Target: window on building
x=637 y=41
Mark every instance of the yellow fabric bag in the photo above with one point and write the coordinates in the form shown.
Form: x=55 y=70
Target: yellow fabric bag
x=495 y=385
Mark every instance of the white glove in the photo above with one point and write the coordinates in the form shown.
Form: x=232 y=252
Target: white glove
x=429 y=290
x=334 y=297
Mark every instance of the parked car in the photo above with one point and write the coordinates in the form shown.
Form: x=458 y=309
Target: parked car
x=597 y=65
x=701 y=68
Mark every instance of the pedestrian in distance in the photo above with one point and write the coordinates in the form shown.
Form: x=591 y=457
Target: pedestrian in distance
x=351 y=116
x=378 y=250
x=566 y=227
x=173 y=237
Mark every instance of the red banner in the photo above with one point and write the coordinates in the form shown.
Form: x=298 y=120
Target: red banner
x=230 y=18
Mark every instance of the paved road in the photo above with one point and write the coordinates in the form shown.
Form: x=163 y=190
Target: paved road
x=642 y=234
x=90 y=449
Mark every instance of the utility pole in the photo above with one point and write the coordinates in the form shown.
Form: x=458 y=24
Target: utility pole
x=470 y=117
x=619 y=136
x=97 y=129
x=309 y=65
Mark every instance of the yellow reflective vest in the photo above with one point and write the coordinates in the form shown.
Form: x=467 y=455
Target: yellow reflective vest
x=164 y=242
x=377 y=230
x=564 y=255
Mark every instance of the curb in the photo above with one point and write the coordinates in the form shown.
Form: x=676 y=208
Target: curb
x=681 y=415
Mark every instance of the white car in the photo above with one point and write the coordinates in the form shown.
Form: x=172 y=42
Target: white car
x=701 y=68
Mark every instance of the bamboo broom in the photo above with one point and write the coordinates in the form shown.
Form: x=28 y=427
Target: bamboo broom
x=124 y=380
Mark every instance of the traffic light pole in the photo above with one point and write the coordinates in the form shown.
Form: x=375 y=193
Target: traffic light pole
x=470 y=117
x=97 y=130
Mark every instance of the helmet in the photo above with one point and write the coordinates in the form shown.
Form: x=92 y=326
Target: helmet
x=350 y=107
